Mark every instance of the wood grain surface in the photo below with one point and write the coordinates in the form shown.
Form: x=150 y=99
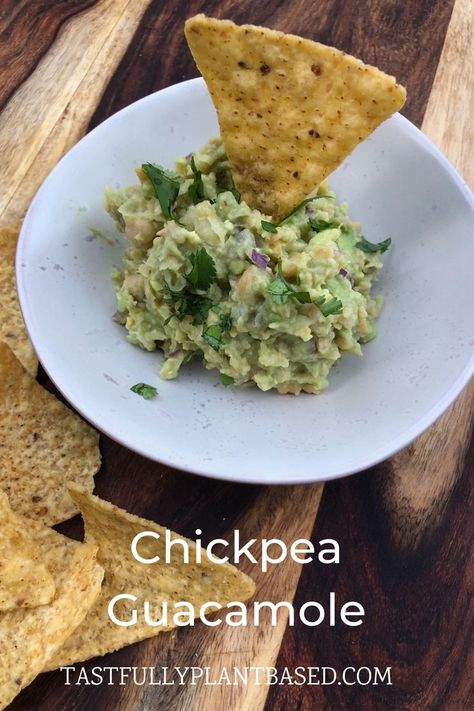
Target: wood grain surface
x=405 y=527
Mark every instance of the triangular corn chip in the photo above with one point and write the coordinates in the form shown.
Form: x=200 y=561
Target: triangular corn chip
x=290 y=110
x=28 y=637
x=12 y=327
x=43 y=444
x=113 y=530
x=24 y=579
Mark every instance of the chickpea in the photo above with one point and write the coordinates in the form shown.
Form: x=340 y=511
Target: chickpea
x=135 y=285
x=290 y=270
x=246 y=284
x=289 y=388
x=324 y=251
x=140 y=231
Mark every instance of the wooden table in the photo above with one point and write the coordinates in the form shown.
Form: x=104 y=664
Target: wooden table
x=405 y=527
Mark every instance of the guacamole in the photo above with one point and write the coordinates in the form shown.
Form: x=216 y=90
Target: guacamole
x=207 y=276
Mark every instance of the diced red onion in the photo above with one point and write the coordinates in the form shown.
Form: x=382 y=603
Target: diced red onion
x=259 y=259
x=344 y=273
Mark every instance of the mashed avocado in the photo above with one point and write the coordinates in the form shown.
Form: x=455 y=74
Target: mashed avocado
x=207 y=276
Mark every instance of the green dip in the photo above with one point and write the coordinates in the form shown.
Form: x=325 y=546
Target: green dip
x=202 y=277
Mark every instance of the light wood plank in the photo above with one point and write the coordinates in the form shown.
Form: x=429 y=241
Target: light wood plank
x=51 y=110
x=424 y=475
x=287 y=513
x=448 y=120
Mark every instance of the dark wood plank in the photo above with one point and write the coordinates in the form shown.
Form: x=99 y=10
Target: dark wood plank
x=418 y=604
x=402 y=38
x=27 y=30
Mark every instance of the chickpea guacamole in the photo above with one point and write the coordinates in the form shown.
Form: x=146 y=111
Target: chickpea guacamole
x=206 y=276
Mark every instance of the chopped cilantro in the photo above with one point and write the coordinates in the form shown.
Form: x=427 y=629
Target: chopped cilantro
x=225 y=322
x=369 y=247
x=195 y=306
x=203 y=270
x=187 y=304
x=302 y=296
x=272 y=227
x=320 y=225
x=213 y=335
x=268 y=226
x=192 y=354
x=165 y=187
x=281 y=290
x=235 y=193
x=329 y=308
x=196 y=189
x=302 y=204
x=226 y=380
x=146 y=391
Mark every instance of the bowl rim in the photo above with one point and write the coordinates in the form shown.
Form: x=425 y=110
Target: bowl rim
x=376 y=455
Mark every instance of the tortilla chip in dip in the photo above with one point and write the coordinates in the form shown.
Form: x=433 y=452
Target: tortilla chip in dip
x=43 y=444
x=113 y=530
x=290 y=110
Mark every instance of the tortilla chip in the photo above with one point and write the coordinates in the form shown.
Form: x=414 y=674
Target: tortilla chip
x=24 y=579
x=43 y=445
x=12 y=327
x=113 y=530
x=290 y=110
x=28 y=638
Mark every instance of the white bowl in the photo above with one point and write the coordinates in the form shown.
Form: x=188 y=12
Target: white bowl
x=396 y=183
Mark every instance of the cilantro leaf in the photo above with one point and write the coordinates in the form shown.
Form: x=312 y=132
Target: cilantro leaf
x=213 y=335
x=272 y=227
x=196 y=189
x=268 y=226
x=225 y=322
x=320 y=225
x=281 y=290
x=236 y=194
x=226 y=380
x=301 y=204
x=166 y=188
x=203 y=270
x=329 y=308
x=192 y=354
x=187 y=304
x=370 y=247
x=195 y=306
x=302 y=296
x=170 y=296
x=146 y=391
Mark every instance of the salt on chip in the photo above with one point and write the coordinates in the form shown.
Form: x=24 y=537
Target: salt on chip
x=25 y=581
x=29 y=637
x=290 y=110
x=43 y=445
x=12 y=327
x=113 y=530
